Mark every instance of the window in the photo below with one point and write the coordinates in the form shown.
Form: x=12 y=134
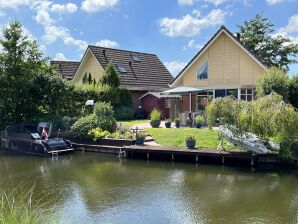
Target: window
x=84 y=79
x=135 y=58
x=167 y=103
x=121 y=68
x=247 y=94
x=202 y=73
x=232 y=92
x=203 y=98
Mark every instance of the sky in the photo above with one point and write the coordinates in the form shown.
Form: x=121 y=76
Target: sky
x=175 y=30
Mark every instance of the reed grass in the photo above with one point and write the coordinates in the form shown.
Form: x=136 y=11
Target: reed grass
x=20 y=205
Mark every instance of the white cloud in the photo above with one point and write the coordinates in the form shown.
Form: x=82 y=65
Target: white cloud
x=59 y=57
x=53 y=33
x=192 y=44
x=273 y=2
x=290 y=30
x=66 y=8
x=216 y=2
x=98 y=5
x=14 y=4
x=292 y=26
x=42 y=14
x=189 y=25
x=185 y=2
x=196 y=13
x=107 y=43
x=175 y=67
x=80 y=43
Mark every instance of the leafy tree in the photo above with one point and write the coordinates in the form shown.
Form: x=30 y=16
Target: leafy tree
x=89 y=79
x=293 y=91
x=20 y=61
x=110 y=77
x=257 y=35
x=274 y=79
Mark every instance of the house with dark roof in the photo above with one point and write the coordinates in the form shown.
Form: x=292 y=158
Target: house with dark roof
x=141 y=73
x=221 y=68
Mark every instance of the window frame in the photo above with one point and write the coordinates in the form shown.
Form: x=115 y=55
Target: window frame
x=201 y=69
x=121 y=68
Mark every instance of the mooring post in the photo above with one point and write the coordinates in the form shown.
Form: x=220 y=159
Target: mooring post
x=252 y=161
x=222 y=160
x=172 y=156
x=197 y=158
x=148 y=155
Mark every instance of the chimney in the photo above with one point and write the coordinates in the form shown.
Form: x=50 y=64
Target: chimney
x=238 y=36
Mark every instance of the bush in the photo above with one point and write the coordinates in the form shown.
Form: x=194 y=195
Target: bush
x=177 y=120
x=190 y=138
x=199 y=119
x=155 y=115
x=81 y=127
x=140 y=135
x=97 y=133
x=293 y=91
x=123 y=113
x=274 y=79
x=104 y=116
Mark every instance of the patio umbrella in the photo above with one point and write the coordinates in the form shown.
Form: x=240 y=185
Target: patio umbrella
x=182 y=90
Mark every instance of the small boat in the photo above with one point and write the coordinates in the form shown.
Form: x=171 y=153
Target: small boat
x=26 y=139
x=248 y=141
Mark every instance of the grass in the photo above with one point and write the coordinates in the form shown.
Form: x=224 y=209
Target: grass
x=205 y=138
x=133 y=122
x=18 y=206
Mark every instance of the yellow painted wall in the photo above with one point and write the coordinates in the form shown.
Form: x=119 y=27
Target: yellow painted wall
x=89 y=65
x=228 y=67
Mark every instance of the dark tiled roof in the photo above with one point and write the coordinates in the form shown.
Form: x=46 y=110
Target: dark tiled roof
x=205 y=46
x=66 y=68
x=147 y=74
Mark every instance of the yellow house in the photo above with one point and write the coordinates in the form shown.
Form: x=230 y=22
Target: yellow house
x=222 y=67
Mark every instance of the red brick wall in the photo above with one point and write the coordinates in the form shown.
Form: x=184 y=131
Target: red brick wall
x=135 y=95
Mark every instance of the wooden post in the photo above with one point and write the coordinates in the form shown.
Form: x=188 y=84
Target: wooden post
x=172 y=156
x=252 y=161
x=222 y=160
x=148 y=155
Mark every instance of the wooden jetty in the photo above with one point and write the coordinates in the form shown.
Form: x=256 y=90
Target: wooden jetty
x=183 y=154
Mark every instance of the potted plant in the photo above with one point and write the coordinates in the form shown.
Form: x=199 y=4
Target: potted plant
x=140 y=138
x=199 y=120
x=177 y=122
x=190 y=141
x=168 y=123
x=155 y=118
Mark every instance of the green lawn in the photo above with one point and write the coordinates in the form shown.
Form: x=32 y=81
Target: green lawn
x=133 y=122
x=205 y=138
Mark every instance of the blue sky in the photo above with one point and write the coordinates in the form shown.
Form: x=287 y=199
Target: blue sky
x=175 y=30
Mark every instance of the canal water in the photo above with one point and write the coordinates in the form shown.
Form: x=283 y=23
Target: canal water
x=98 y=188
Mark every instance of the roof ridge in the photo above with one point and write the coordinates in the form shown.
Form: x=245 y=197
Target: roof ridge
x=64 y=61
x=117 y=49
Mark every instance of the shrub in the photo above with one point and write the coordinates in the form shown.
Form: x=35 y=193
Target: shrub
x=140 y=135
x=189 y=138
x=123 y=113
x=104 y=116
x=154 y=115
x=177 y=120
x=199 y=119
x=293 y=91
x=81 y=127
x=274 y=79
x=97 y=133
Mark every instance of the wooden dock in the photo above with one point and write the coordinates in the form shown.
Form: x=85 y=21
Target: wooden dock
x=184 y=154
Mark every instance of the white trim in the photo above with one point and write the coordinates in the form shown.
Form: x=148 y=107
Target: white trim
x=83 y=62
x=155 y=94
x=207 y=46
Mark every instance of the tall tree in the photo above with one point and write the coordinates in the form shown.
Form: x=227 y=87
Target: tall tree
x=110 y=77
x=258 y=36
x=20 y=61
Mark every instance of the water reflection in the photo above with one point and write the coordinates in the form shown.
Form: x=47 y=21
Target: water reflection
x=96 y=188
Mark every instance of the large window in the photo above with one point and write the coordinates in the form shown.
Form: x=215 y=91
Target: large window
x=203 y=98
x=202 y=73
x=226 y=92
x=247 y=94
